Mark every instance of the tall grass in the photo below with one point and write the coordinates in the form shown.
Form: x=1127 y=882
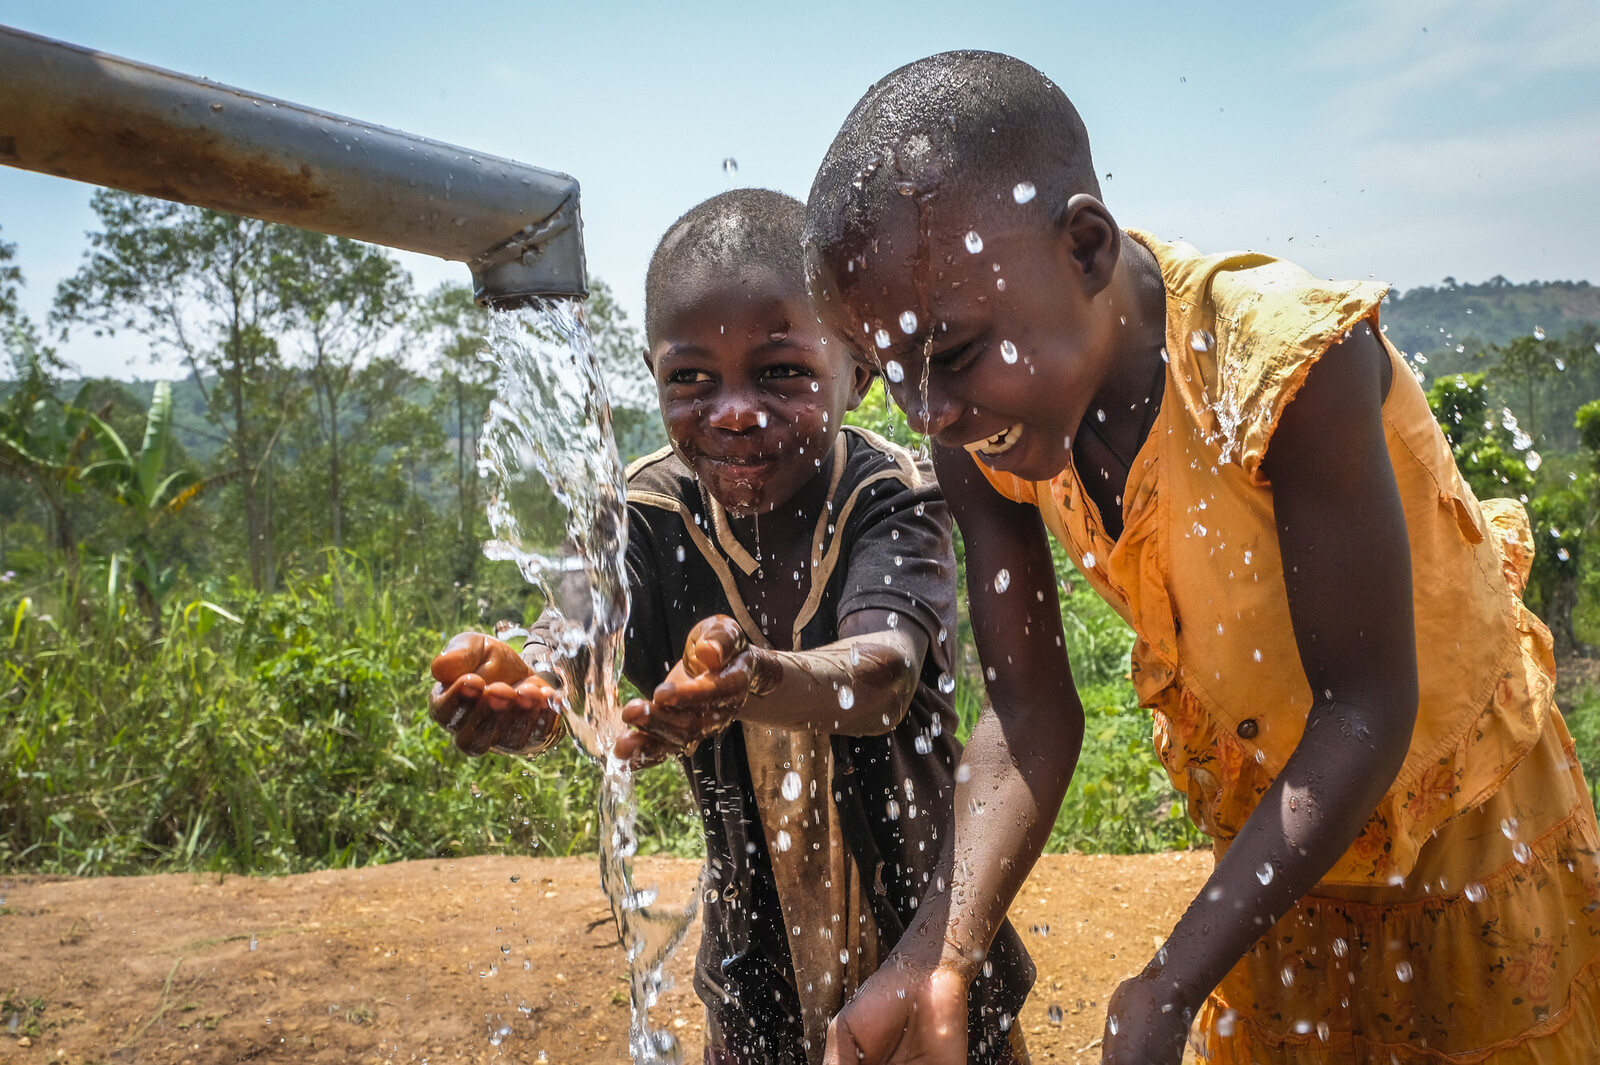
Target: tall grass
x=272 y=734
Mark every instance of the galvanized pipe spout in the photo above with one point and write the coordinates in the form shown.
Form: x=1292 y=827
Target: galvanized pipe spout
x=93 y=117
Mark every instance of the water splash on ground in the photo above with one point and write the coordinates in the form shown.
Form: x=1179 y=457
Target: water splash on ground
x=549 y=434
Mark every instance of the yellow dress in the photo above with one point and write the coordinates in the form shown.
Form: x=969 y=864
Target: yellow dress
x=1463 y=925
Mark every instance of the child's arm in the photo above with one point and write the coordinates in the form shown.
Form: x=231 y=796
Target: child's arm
x=1347 y=568
x=721 y=676
x=1020 y=757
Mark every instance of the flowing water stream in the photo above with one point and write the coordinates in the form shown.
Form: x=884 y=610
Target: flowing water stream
x=549 y=433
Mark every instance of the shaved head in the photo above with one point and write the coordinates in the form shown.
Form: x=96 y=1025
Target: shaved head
x=976 y=130
x=733 y=236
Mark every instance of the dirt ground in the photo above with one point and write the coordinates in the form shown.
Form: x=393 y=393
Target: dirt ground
x=484 y=959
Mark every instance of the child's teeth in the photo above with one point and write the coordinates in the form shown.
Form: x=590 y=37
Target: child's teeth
x=999 y=443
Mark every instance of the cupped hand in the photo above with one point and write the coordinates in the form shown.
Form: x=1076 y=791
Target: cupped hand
x=1146 y=1024
x=488 y=697
x=699 y=698
x=902 y=1015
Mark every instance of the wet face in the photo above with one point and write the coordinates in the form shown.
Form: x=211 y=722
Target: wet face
x=994 y=334
x=752 y=388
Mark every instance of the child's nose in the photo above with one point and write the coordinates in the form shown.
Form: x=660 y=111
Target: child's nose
x=737 y=413
x=931 y=414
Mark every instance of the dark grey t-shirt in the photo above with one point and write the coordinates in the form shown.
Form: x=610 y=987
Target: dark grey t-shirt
x=887 y=546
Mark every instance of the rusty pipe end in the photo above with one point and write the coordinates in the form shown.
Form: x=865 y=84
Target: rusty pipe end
x=542 y=259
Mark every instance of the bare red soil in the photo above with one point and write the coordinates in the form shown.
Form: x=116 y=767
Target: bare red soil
x=432 y=961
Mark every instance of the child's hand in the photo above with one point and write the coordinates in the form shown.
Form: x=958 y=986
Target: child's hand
x=1144 y=1025
x=699 y=698
x=489 y=698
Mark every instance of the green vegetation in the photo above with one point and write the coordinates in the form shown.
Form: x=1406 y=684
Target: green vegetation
x=218 y=597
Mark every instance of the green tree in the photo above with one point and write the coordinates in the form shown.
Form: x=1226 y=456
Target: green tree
x=345 y=298
x=457 y=331
x=199 y=284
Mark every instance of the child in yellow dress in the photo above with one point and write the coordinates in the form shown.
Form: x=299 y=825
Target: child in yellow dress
x=1344 y=681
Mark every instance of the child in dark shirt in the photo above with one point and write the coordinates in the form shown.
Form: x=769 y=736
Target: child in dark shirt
x=806 y=570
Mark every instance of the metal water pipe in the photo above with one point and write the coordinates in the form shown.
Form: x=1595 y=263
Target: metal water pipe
x=85 y=115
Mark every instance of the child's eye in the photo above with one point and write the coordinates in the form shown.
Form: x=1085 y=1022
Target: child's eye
x=784 y=372
x=688 y=377
x=957 y=358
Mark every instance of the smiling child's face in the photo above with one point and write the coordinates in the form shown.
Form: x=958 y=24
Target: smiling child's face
x=752 y=388
x=1007 y=345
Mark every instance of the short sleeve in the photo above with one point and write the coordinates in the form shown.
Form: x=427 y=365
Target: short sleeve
x=1272 y=322
x=902 y=558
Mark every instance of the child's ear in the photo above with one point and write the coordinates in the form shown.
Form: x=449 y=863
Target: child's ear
x=860 y=382
x=1092 y=237
x=649 y=362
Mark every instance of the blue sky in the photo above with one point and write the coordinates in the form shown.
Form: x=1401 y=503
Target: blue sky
x=1407 y=140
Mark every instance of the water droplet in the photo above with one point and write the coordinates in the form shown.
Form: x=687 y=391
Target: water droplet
x=252 y=942
x=1460 y=348
x=1323 y=1031
x=1200 y=340
x=761 y=418
x=791 y=785
x=1022 y=192
x=963 y=774
x=894 y=371
x=989 y=673
x=1287 y=976
x=1002 y=580
x=1340 y=947
x=680 y=552
x=923 y=744
x=1265 y=873
x=815 y=386
x=1522 y=852
x=1008 y=351
x=847 y=697
x=947 y=683
x=974 y=242
x=1538 y=332
x=1054 y=1013
x=881 y=337
x=1258 y=654
x=892 y=810
x=1562 y=554
x=908 y=322
x=1226 y=1023
x=1475 y=892
x=1040 y=929
x=730 y=166
x=1088 y=560
x=784 y=842
x=1111 y=1023
x=1533 y=461
x=1402 y=970
x=1509 y=828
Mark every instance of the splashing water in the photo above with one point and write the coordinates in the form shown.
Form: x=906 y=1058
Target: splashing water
x=549 y=434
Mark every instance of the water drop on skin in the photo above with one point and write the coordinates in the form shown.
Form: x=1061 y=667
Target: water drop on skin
x=761 y=418
x=1022 y=192
x=963 y=774
x=908 y=322
x=847 y=697
x=1008 y=351
x=974 y=242
x=1002 y=580
x=1111 y=1024
x=881 y=338
x=894 y=371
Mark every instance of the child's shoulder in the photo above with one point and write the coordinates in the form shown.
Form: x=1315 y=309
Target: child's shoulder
x=662 y=479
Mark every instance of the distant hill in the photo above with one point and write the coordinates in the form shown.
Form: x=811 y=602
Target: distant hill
x=1435 y=319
